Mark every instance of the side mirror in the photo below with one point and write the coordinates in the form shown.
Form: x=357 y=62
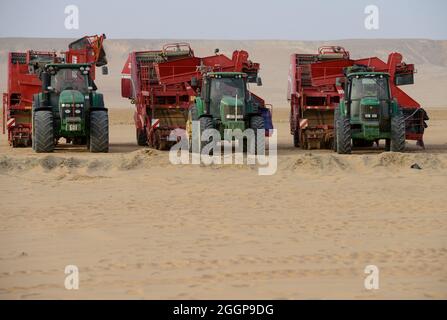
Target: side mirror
x=105 y=70
x=259 y=81
x=194 y=82
x=46 y=80
x=216 y=51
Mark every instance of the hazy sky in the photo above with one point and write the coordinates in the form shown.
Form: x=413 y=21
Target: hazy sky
x=226 y=19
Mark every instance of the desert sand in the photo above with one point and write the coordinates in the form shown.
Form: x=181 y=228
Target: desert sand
x=139 y=227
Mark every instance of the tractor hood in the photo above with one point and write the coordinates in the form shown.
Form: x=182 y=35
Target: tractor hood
x=370 y=101
x=70 y=97
x=72 y=111
x=371 y=109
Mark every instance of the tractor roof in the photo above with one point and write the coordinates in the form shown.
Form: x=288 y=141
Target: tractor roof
x=367 y=73
x=226 y=74
x=68 y=65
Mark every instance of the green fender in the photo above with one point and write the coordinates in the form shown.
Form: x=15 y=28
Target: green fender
x=200 y=106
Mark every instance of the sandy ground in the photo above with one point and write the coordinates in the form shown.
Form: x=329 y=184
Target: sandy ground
x=138 y=227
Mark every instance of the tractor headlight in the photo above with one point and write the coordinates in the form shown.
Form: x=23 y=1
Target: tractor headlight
x=63 y=105
x=77 y=111
x=367 y=115
x=67 y=110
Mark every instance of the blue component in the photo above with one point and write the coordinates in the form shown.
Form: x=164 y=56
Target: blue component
x=267 y=115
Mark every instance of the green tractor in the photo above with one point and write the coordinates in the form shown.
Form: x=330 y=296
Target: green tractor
x=368 y=113
x=226 y=103
x=69 y=107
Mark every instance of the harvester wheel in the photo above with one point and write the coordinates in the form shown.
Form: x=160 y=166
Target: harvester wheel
x=141 y=137
x=43 y=131
x=397 y=133
x=344 y=145
x=99 y=131
x=257 y=123
x=205 y=123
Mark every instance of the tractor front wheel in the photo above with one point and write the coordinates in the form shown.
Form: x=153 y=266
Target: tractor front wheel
x=397 y=133
x=43 y=131
x=99 y=131
x=343 y=131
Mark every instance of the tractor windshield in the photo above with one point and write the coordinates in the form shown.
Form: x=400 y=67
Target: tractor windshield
x=376 y=87
x=225 y=87
x=69 y=79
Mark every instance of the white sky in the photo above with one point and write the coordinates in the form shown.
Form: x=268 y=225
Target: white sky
x=226 y=19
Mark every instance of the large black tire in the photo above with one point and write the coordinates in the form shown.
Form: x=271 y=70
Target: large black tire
x=99 y=131
x=257 y=123
x=43 y=131
x=344 y=144
x=141 y=137
x=205 y=123
x=397 y=133
x=336 y=116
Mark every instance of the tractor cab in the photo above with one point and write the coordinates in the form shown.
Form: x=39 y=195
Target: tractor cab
x=227 y=99
x=368 y=113
x=225 y=95
x=368 y=97
x=225 y=102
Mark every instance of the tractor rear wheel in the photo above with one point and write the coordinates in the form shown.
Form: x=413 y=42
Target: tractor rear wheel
x=257 y=123
x=141 y=137
x=344 y=145
x=99 y=131
x=397 y=133
x=43 y=131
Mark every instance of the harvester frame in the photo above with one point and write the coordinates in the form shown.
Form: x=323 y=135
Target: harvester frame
x=24 y=70
x=313 y=94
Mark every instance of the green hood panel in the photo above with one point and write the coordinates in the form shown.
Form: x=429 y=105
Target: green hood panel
x=71 y=96
x=231 y=101
x=370 y=101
